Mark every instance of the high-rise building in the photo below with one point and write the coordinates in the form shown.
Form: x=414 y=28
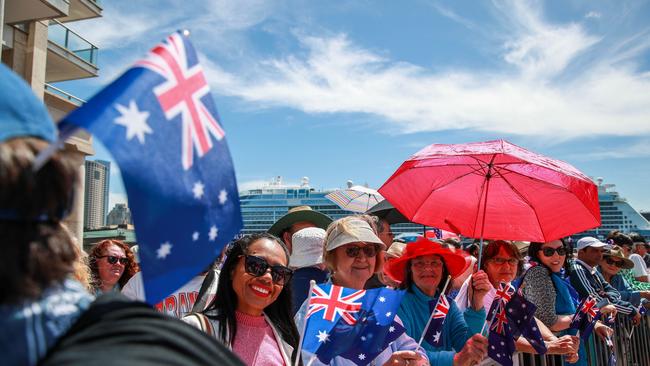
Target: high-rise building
x=119 y=215
x=37 y=45
x=98 y=175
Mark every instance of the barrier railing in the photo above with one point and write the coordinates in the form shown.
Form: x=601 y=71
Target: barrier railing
x=631 y=347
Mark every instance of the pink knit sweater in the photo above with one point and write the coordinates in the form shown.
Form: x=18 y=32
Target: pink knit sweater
x=255 y=343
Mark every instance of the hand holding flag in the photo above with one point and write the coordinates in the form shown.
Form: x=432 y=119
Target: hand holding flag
x=585 y=317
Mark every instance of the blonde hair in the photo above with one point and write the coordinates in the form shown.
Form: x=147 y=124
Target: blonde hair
x=342 y=226
x=80 y=267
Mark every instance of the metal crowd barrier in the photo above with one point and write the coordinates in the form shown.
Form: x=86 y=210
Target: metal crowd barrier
x=631 y=347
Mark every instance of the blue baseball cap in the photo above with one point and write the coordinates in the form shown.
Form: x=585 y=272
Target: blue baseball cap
x=22 y=114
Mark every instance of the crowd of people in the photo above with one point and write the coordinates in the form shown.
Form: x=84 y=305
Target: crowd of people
x=59 y=306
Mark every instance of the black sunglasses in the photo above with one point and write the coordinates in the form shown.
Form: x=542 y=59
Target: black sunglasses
x=612 y=261
x=354 y=251
x=112 y=259
x=256 y=266
x=548 y=252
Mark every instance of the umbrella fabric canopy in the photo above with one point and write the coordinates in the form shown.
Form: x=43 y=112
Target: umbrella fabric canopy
x=355 y=198
x=493 y=190
x=388 y=212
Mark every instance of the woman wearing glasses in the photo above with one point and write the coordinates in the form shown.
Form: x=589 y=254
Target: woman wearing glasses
x=112 y=264
x=423 y=270
x=502 y=263
x=545 y=286
x=251 y=312
x=610 y=266
x=353 y=253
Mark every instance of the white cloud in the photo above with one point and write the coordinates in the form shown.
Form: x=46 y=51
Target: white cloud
x=118 y=28
x=593 y=15
x=604 y=96
x=540 y=49
x=639 y=149
x=237 y=14
x=446 y=12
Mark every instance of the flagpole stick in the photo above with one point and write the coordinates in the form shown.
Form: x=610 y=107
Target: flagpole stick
x=424 y=331
x=311 y=360
x=312 y=283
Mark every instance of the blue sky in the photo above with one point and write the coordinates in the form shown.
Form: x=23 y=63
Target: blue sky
x=338 y=90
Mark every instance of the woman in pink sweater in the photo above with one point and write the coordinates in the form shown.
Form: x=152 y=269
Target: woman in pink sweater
x=251 y=312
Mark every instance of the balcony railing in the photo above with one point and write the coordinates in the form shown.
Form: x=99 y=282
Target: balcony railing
x=66 y=38
x=69 y=97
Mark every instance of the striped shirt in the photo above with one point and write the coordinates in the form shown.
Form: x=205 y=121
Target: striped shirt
x=587 y=281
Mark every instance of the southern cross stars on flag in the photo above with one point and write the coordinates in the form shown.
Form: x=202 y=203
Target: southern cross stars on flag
x=521 y=319
x=585 y=317
x=501 y=345
x=354 y=324
x=439 y=308
x=161 y=125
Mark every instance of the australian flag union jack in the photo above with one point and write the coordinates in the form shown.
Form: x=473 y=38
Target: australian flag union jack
x=585 y=317
x=439 y=309
x=160 y=123
x=501 y=344
x=354 y=324
x=512 y=316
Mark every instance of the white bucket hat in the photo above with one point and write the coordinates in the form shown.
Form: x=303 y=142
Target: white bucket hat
x=307 y=247
x=358 y=230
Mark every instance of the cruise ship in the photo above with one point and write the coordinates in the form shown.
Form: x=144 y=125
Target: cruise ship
x=263 y=206
x=616 y=214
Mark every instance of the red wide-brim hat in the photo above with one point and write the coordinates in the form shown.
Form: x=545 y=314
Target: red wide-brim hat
x=396 y=268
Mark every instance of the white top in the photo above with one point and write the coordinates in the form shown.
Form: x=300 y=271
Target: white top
x=462 y=300
x=178 y=303
x=640 y=268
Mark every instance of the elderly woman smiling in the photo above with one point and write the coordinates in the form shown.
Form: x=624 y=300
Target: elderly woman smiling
x=423 y=270
x=353 y=252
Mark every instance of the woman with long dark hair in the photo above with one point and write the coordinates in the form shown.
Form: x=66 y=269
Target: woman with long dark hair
x=545 y=285
x=251 y=312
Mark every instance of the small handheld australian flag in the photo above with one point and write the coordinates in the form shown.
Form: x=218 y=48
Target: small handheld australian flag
x=160 y=123
x=585 y=317
x=439 y=309
x=354 y=324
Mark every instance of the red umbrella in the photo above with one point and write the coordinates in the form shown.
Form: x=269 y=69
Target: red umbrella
x=493 y=190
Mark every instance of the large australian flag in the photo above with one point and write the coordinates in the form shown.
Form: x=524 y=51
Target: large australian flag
x=161 y=125
x=354 y=324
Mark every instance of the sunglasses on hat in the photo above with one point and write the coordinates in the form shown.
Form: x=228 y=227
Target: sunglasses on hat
x=256 y=266
x=113 y=259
